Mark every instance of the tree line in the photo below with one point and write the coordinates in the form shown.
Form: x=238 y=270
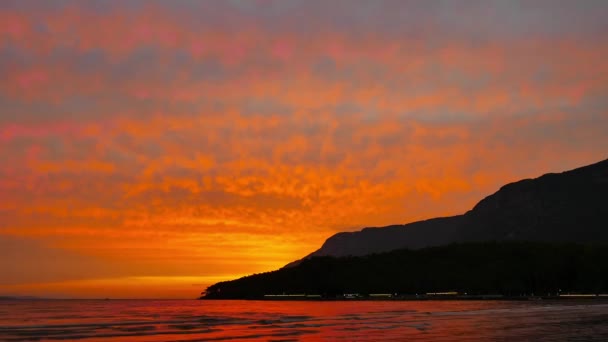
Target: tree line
x=507 y=268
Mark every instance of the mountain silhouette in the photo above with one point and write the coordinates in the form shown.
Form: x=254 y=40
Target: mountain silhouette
x=542 y=235
x=571 y=206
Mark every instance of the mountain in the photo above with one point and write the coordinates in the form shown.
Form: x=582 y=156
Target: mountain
x=513 y=269
x=536 y=235
x=571 y=206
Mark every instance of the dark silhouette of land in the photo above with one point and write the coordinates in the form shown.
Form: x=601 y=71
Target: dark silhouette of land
x=479 y=268
x=538 y=235
x=558 y=207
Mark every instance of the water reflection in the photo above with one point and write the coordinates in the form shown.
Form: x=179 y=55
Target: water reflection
x=139 y=320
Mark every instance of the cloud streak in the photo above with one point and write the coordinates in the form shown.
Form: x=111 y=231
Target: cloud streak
x=202 y=139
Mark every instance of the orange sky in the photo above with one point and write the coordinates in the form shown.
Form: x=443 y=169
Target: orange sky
x=150 y=149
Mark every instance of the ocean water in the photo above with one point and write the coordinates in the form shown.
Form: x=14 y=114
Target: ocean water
x=191 y=320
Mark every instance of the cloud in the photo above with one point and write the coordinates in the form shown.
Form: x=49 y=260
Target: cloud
x=190 y=138
x=26 y=261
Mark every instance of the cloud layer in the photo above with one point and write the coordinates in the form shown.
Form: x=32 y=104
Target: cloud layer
x=210 y=139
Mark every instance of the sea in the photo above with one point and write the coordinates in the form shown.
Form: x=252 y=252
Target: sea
x=225 y=320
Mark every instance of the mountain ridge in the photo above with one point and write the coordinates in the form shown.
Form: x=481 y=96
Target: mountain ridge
x=505 y=270
x=543 y=234
x=533 y=209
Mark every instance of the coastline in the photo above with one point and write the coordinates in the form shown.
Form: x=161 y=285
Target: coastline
x=568 y=297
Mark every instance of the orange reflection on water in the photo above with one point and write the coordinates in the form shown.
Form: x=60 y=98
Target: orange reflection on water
x=170 y=320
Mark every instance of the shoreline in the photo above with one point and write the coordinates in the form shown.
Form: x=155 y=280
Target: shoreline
x=594 y=298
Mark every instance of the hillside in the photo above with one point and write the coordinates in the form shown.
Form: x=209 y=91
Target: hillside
x=559 y=207
x=477 y=268
x=535 y=235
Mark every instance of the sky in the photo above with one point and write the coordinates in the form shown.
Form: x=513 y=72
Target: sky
x=149 y=149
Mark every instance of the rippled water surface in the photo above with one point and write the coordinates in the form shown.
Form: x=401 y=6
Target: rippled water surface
x=167 y=320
